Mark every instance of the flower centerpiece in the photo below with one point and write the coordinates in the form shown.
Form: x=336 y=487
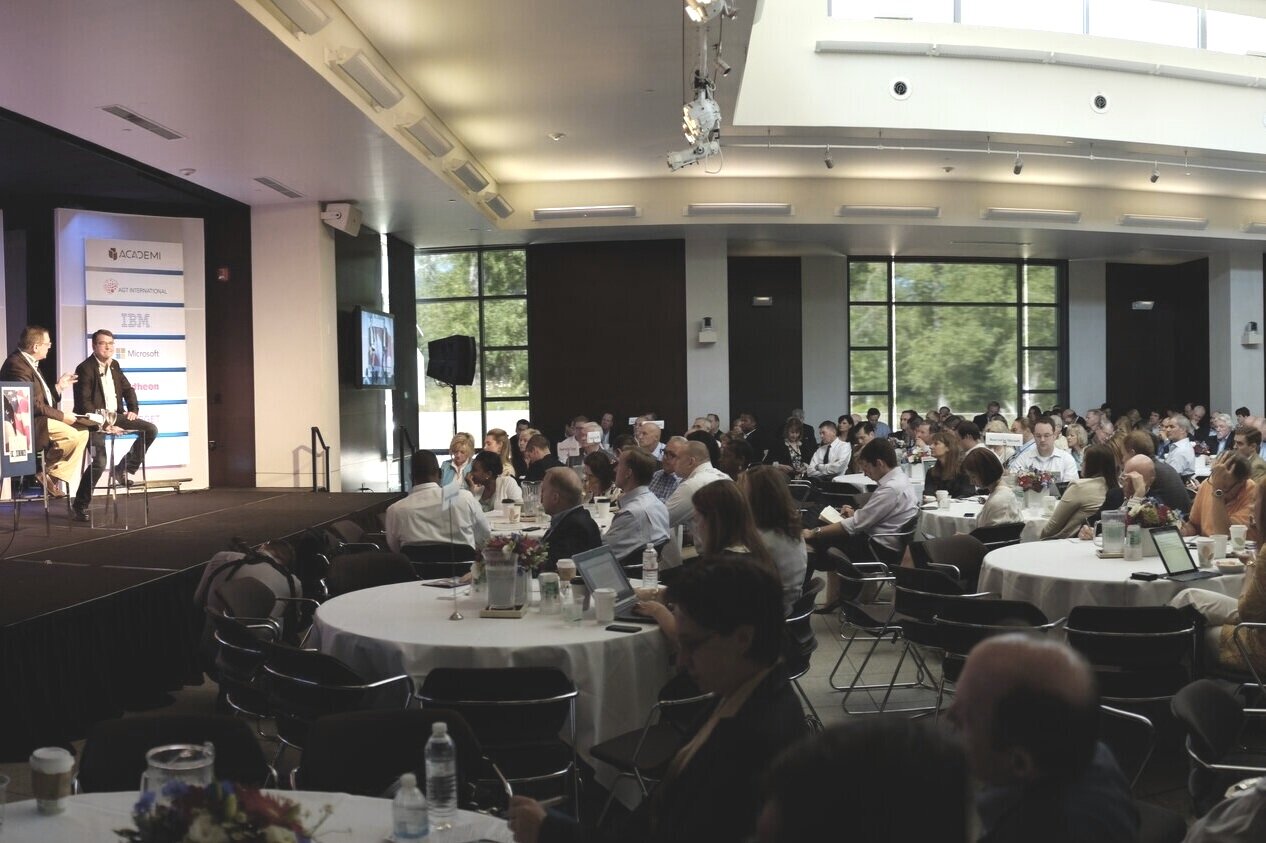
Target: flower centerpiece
x=219 y=813
x=1151 y=512
x=1032 y=480
x=531 y=552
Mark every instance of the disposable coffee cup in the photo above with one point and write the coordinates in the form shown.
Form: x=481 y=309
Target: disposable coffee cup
x=1239 y=533
x=943 y=500
x=507 y=507
x=514 y=514
x=51 y=772
x=1219 y=545
x=603 y=505
x=604 y=605
x=566 y=569
x=1204 y=551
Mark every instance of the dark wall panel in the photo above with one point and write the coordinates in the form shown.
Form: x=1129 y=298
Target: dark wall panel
x=766 y=371
x=230 y=351
x=362 y=415
x=1160 y=357
x=606 y=329
x=401 y=284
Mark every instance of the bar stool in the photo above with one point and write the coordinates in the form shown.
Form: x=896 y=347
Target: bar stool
x=113 y=487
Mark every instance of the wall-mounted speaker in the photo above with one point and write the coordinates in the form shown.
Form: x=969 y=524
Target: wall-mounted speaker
x=342 y=216
x=452 y=360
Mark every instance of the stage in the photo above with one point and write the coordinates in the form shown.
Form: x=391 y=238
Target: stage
x=96 y=621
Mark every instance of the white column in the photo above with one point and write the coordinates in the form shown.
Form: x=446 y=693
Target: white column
x=707 y=294
x=1235 y=299
x=824 y=337
x=1087 y=334
x=296 y=343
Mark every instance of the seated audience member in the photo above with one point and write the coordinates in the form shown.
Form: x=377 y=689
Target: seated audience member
x=692 y=466
x=523 y=431
x=497 y=442
x=804 y=788
x=665 y=481
x=1077 y=439
x=1167 y=485
x=489 y=486
x=642 y=518
x=983 y=419
x=1228 y=496
x=728 y=623
x=271 y=564
x=859 y=436
x=715 y=421
x=1137 y=477
x=723 y=523
x=1026 y=446
x=571 y=528
x=606 y=424
x=420 y=518
x=882 y=430
x=1247 y=441
x=1200 y=429
x=622 y=443
x=969 y=437
x=708 y=441
x=947 y=475
x=831 y=456
x=1179 y=452
x=571 y=447
x=1221 y=440
x=1239 y=818
x=457 y=467
x=844 y=428
x=1033 y=415
x=648 y=438
x=984 y=471
x=806 y=432
x=790 y=454
x=590 y=439
x=1084 y=497
x=777 y=520
x=1028 y=713
x=756 y=436
x=600 y=476
x=736 y=456
x=1002 y=452
x=1044 y=456
x=539 y=458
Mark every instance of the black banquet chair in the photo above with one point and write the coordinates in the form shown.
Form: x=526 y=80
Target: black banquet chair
x=1139 y=653
x=439 y=560
x=113 y=756
x=1214 y=720
x=369 y=569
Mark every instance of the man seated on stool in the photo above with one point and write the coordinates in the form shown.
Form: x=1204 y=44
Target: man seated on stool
x=94 y=391
x=54 y=428
x=421 y=518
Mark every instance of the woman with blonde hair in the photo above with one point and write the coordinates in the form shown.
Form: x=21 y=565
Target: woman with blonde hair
x=1078 y=439
x=498 y=442
x=1003 y=452
x=460 y=450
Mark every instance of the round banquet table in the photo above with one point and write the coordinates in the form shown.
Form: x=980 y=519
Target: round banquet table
x=93 y=817
x=536 y=527
x=404 y=628
x=936 y=523
x=1058 y=574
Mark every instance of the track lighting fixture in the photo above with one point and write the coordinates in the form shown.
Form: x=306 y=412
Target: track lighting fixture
x=723 y=67
x=1155 y=177
x=1019 y=164
x=827 y=160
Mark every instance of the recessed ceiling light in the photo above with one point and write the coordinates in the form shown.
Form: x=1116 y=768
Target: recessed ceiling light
x=557 y=136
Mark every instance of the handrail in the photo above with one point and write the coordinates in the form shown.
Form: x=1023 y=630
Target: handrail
x=316 y=436
x=403 y=436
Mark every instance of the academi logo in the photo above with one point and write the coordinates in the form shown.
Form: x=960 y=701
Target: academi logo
x=114 y=254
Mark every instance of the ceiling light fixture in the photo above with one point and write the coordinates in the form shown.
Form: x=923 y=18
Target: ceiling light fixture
x=361 y=70
x=466 y=173
x=306 y=16
x=1154 y=221
x=888 y=211
x=429 y=136
x=1030 y=215
x=585 y=212
x=1254 y=228
x=701 y=117
x=499 y=206
x=826 y=158
x=728 y=209
x=702 y=11
x=723 y=67
x=1155 y=177
x=1019 y=164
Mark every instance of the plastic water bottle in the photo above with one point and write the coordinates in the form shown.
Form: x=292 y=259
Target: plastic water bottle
x=650 y=567
x=441 y=777
x=408 y=810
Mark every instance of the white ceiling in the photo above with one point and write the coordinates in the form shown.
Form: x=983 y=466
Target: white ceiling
x=503 y=77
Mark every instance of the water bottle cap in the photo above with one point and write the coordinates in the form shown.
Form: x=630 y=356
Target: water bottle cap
x=439 y=729
x=408 y=780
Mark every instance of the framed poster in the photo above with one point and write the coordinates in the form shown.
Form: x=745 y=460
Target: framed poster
x=17 y=441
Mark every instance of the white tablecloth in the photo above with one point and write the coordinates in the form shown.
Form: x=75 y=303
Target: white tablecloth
x=859 y=480
x=404 y=628
x=1059 y=574
x=93 y=817
x=937 y=523
x=535 y=527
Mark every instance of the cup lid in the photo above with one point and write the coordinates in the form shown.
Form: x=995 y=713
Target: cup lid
x=52 y=759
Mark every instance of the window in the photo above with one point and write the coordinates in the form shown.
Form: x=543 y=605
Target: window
x=480 y=293
x=1045 y=15
x=927 y=334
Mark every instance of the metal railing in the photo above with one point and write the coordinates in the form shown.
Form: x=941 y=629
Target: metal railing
x=317 y=437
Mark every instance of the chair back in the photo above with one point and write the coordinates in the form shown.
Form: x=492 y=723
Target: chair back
x=346 y=530
x=113 y=756
x=1211 y=716
x=800 y=490
x=1131 y=636
x=364 y=752
x=355 y=571
x=799 y=639
x=904 y=535
x=245 y=597
x=440 y=559
x=999 y=535
x=505 y=706
x=963 y=622
x=683 y=704
x=1130 y=736
x=918 y=592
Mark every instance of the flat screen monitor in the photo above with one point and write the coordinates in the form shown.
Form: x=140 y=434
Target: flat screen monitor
x=377 y=358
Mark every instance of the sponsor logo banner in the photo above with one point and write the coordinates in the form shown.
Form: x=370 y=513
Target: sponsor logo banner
x=104 y=286
x=160 y=386
x=142 y=353
x=134 y=254
x=168 y=418
x=138 y=319
x=166 y=451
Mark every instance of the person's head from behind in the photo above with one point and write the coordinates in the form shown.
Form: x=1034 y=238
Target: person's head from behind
x=1027 y=710
x=537 y=448
x=736 y=456
x=560 y=490
x=876 y=458
x=1100 y=461
x=729 y=620
x=968 y=435
x=769 y=498
x=599 y=473
x=426 y=468
x=634 y=468
x=803 y=787
x=1139 y=472
x=709 y=443
x=983 y=468
x=723 y=519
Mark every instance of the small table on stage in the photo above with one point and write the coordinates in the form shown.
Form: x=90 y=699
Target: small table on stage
x=112 y=489
x=1059 y=574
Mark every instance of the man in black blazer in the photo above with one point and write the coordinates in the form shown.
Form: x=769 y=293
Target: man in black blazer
x=101 y=385
x=540 y=458
x=55 y=430
x=571 y=530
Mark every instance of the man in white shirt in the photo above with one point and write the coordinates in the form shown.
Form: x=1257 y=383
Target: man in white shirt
x=832 y=456
x=1044 y=456
x=642 y=518
x=570 y=447
x=696 y=471
x=420 y=518
x=1181 y=456
x=648 y=435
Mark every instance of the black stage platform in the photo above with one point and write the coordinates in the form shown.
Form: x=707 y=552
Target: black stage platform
x=95 y=621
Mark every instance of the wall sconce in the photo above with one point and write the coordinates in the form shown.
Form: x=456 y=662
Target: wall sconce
x=707 y=336
x=1252 y=336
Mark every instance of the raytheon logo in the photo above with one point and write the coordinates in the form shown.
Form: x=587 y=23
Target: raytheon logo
x=134 y=254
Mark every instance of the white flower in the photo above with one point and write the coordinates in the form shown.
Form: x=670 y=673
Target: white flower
x=204 y=830
x=277 y=834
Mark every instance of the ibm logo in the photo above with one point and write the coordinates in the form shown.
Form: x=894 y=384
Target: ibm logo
x=134 y=320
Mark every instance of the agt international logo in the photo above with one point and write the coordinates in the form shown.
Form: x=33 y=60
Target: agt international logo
x=111 y=286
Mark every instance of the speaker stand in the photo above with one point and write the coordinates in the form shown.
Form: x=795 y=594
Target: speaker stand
x=453 y=388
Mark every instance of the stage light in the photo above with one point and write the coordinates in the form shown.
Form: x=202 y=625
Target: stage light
x=1019 y=164
x=1155 y=177
x=826 y=158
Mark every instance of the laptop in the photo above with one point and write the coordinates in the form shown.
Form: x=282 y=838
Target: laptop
x=1173 y=553
x=600 y=569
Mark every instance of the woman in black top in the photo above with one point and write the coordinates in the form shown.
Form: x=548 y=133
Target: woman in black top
x=947 y=475
x=791 y=454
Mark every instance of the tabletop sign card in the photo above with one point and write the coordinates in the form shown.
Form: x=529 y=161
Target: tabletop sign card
x=136 y=289
x=1014 y=440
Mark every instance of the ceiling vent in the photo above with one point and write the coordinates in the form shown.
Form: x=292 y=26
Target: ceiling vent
x=142 y=122
x=273 y=184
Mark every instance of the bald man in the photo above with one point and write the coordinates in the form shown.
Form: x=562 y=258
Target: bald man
x=571 y=529
x=1028 y=713
x=695 y=469
x=648 y=435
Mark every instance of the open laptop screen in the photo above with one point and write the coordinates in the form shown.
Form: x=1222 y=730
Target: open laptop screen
x=1172 y=549
x=600 y=569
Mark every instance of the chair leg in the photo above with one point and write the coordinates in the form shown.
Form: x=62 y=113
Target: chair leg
x=812 y=719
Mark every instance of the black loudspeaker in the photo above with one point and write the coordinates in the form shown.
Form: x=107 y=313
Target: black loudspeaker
x=452 y=360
